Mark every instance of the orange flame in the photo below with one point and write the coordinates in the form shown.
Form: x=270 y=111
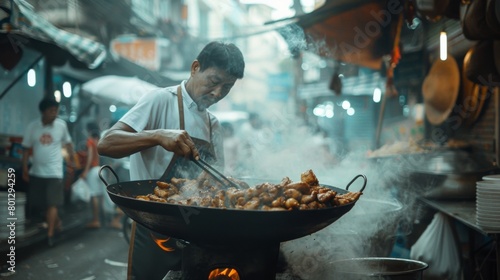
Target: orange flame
x=224 y=274
x=160 y=244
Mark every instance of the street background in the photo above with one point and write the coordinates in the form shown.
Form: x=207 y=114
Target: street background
x=80 y=254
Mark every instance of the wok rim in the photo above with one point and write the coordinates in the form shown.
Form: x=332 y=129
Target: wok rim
x=205 y=208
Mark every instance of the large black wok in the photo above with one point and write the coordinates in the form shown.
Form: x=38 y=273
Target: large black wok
x=214 y=225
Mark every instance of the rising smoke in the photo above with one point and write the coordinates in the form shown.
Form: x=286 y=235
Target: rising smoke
x=287 y=147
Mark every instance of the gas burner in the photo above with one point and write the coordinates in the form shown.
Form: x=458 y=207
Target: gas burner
x=241 y=261
x=231 y=262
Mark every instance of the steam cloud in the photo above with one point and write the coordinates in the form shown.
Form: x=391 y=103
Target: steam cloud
x=286 y=147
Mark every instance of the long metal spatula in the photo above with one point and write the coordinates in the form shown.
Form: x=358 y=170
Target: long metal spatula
x=215 y=173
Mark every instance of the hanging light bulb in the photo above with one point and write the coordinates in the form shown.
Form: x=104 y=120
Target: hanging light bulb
x=443 y=45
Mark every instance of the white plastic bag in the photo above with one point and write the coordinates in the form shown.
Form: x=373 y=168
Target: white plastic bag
x=80 y=191
x=437 y=246
x=108 y=206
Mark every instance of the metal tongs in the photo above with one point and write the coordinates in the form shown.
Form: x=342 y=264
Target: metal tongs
x=215 y=173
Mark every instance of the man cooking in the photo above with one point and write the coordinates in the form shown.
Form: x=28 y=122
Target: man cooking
x=166 y=129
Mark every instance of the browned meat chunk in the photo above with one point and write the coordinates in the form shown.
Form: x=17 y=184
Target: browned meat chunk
x=309 y=178
x=302 y=187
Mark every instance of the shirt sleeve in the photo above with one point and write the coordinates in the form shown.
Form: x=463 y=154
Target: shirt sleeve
x=28 y=137
x=139 y=116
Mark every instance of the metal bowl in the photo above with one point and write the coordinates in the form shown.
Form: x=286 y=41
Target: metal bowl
x=377 y=268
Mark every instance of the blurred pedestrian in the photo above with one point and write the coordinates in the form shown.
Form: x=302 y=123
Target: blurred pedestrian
x=113 y=214
x=90 y=173
x=43 y=141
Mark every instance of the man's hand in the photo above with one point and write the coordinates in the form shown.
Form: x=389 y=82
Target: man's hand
x=178 y=142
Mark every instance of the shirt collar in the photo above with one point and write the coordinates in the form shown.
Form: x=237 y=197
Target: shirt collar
x=47 y=125
x=185 y=95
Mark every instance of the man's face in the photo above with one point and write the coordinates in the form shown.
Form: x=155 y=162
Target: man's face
x=209 y=86
x=50 y=114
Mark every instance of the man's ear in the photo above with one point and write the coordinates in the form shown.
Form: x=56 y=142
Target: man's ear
x=195 y=66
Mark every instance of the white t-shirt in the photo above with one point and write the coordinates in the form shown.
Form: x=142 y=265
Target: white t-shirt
x=47 y=142
x=158 y=110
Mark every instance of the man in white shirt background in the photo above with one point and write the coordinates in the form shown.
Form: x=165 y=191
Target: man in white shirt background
x=43 y=141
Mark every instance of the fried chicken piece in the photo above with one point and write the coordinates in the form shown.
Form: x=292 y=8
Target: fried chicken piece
x=241 y=201
x=303 y=206
x=346 y=198
x=206 y=201
x=255 y=191
x=278 y=202
x=285 y=181
x=302 y=187
x=160 y=192
x=219 y=200
x=267 y=208
x=166 y=192
x=309 y=178
x=273 y=191
x=163 y=185
x=292 y=193
x=322 y=189
x=179 y=182
x=326 y=196
x=291 y=203
x=156 y=198
x=339 y=201
x=265 y=198
x=315 y=205
x=353 y=196
x=143 y=197
x=308 y=198
x=252 y=204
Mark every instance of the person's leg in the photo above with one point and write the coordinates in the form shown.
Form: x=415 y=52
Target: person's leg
x=52 y=218
x=96 y=187
x=54 y=198
x=116 y=222
x=36 y=194
x=96 y=219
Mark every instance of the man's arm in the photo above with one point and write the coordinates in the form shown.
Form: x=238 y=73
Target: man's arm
x=121 y=140
x=71 y=155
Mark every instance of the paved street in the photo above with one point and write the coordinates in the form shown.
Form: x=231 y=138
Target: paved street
x=81 y=254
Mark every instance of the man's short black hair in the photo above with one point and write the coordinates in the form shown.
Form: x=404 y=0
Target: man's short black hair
x=47 y=103
x=224 y=56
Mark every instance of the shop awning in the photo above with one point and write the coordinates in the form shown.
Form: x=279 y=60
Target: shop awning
x=117 y=90
x=358 y=32
x=34 y=31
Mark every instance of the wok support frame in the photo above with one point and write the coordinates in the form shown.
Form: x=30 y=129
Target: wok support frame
x=250 y=261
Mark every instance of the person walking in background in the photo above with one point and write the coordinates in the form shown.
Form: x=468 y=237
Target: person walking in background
x=43 y=140
x=90 y=173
